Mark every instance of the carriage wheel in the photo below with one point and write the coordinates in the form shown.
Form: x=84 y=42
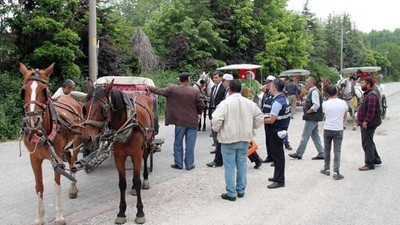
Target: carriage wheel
x=384 y=106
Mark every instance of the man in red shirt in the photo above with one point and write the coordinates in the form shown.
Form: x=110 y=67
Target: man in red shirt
x=369 y=118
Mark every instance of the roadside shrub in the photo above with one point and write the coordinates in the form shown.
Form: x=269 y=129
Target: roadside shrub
x=10 y=105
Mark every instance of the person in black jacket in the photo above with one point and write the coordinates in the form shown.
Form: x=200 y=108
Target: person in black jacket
x=312 y=115
x=217 y=95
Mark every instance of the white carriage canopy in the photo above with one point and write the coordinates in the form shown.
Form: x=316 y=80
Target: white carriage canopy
x=125 y=80
x=295 y=72
x=363 y=69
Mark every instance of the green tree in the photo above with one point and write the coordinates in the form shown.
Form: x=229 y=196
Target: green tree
x=286 y=41
x=7 y=47
x=184 y=36
x=43 y=34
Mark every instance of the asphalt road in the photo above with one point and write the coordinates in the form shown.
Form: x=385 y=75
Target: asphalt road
x=193 y=197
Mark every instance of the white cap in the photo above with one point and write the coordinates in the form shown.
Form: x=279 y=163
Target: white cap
x=227 y=77
x=270 y=78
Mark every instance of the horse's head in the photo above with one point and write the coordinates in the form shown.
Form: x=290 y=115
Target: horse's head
x=96 y=110
x=35 y=94
x=203 y=83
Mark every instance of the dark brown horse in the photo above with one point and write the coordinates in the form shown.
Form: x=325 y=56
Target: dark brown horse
x=131 y=124
x=50 y=128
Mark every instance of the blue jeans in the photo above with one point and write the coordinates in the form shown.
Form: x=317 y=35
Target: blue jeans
x=310 y=130
x=190 y=140
x=286 y=140
x=235 y=155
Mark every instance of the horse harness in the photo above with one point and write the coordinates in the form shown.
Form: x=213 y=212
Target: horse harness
x=48 y=139
x=125 y=131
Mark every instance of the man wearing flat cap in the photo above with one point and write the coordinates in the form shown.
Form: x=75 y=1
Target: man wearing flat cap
x=266 y=109
x=225 y=82
x=184 y=105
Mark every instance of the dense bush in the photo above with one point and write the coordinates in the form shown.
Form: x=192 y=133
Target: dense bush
x=10 y=105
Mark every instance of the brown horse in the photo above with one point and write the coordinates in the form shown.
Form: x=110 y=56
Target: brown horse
x=49 y=129
x=131 y=124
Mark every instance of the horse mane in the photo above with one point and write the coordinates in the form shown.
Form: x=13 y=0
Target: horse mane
x=117 y=100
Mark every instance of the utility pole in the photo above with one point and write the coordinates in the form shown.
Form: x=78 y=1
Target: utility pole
x=92 y=41
x=341 y=51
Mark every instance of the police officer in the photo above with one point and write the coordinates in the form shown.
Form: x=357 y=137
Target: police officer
x=276 y=130
x=266 y=109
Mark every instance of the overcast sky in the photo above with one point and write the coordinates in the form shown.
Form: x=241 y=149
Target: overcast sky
x=366 y=14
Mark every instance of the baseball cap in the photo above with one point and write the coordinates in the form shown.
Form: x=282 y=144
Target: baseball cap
x=270 y=78
x=227 y=77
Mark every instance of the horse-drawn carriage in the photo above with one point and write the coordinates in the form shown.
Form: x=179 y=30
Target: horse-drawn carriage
x=351 y=91
x=299 y=75
x=118 y=119
x=101 y=150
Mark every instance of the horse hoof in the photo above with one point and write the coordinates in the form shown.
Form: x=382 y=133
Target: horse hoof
x=60 y=222
x=146 y=185
x=120 y=220
x=140 y=220
x=73 y=192
x=133 y=192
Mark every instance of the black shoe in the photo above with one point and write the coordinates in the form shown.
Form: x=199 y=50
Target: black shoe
x=276 y=185
x=288 y=147
x=378 y=162
x=317 y=157
x=271 y=179
x=268 y=160
x=213 y=144
x=213 y=151
x=191 y=167
x=226 y=197
x=258 y=164
x=175 y=166
x=294 y=155
x=213 y=164
x=240 y=195
x=272 y=164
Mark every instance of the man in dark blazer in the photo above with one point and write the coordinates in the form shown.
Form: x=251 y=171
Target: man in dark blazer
x=184 y=105
x=217 y=95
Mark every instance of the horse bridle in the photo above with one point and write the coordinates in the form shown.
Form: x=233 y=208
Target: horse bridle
x=106 y=112
x=42 y=105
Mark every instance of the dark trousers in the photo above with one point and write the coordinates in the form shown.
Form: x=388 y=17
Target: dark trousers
x=371 y=154
x=275 y=145
x=269 y=156
x=254 y=157
x=218 y=156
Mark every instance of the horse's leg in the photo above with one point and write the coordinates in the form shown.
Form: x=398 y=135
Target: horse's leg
x=37 y=170
x=146 y=184
x=199 y=127
x=140 y=219
x=120 y=163
x=204 y=119
x=353 y=112
x=345 y=120
x=73 y=190
x=57 y=189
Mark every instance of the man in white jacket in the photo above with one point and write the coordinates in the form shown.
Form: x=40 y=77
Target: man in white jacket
x=235 y=120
